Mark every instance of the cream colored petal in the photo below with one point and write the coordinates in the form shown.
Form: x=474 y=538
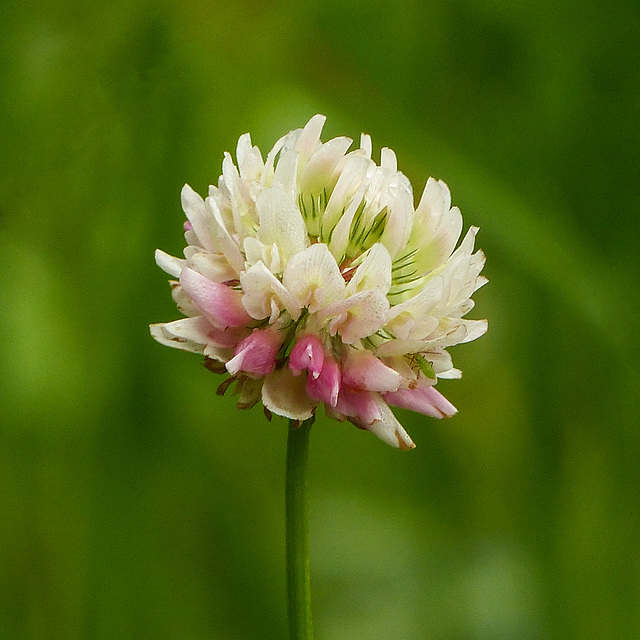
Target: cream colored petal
x=475 y=329
x=451 y=374
x=285 y=177
x=440 y=360
x=281 y=222
x=399 y=202
x=412 y=327
x=374 y=272
x=388 y=159
x=243 y=148
x=213 y=266
x=309 y=137
x=352 y=176
x=285 y=395
x=242 y=206
x=187 y=334
x=183 y=301
x=225 y=242
x=320 y=171
x=313 y=277
x=194 y=209
x=221 y=354
x=358 y=316
x=402 y=366
x=399 y=347
x=169 y=264
x=339 y=241
x=408 y=317
x=267 y=174
x=255 y=251
x=249 y=158
x=261 y=289
x=388 y=429
x=365 y=144
x=437 y=227
x=466 y=246
x=249 y=392
x=434 y=204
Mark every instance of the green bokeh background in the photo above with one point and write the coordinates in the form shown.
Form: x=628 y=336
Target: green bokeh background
x=135 y=503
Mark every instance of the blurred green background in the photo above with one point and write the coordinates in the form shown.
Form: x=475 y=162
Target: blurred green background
x=134 y=503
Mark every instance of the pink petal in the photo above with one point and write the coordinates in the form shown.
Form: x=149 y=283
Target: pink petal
x=307 y=354
x=227 y=338
x=425 y=400
x=256 y=354
x=326 y=387
x=362 y=370
x=360 y=405
x=221 y=304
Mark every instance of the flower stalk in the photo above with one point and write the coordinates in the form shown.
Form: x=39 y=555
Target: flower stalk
x=297 y=532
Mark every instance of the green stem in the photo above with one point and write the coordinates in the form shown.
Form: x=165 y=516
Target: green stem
x=297 y=533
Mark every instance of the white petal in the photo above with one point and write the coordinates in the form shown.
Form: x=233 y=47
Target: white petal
x=281 y=222
x=399 y=347
x=309 y=137
x=184 y=303
x=169 y=264
x=401 y=365
x=388 y=429
x=475 y=329
x=437 y=227
x=256 y=251
x=341 y=232
x=319 y=172
x=314 y=278
x=373 y=272
x=221 y=354
x=451 y=374
x=365 y=144
x=193 y=206
x=261 y=288
x=285 y=177
x=213 y=266
x=351 y=179
x=243 y=148
x=267 y=174
x=440 y=360
x=285 y=395
x=388 y=159
x=249 y=158
x=434 y=204
x=188 y=334
x=466 y=246
x=399 y=202
x=358 y=316
x=413 y=318
x=228 y=246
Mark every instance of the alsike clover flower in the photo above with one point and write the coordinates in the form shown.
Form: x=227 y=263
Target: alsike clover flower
x=309 y=278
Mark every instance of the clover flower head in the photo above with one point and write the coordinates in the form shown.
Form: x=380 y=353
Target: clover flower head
x=310 y=278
